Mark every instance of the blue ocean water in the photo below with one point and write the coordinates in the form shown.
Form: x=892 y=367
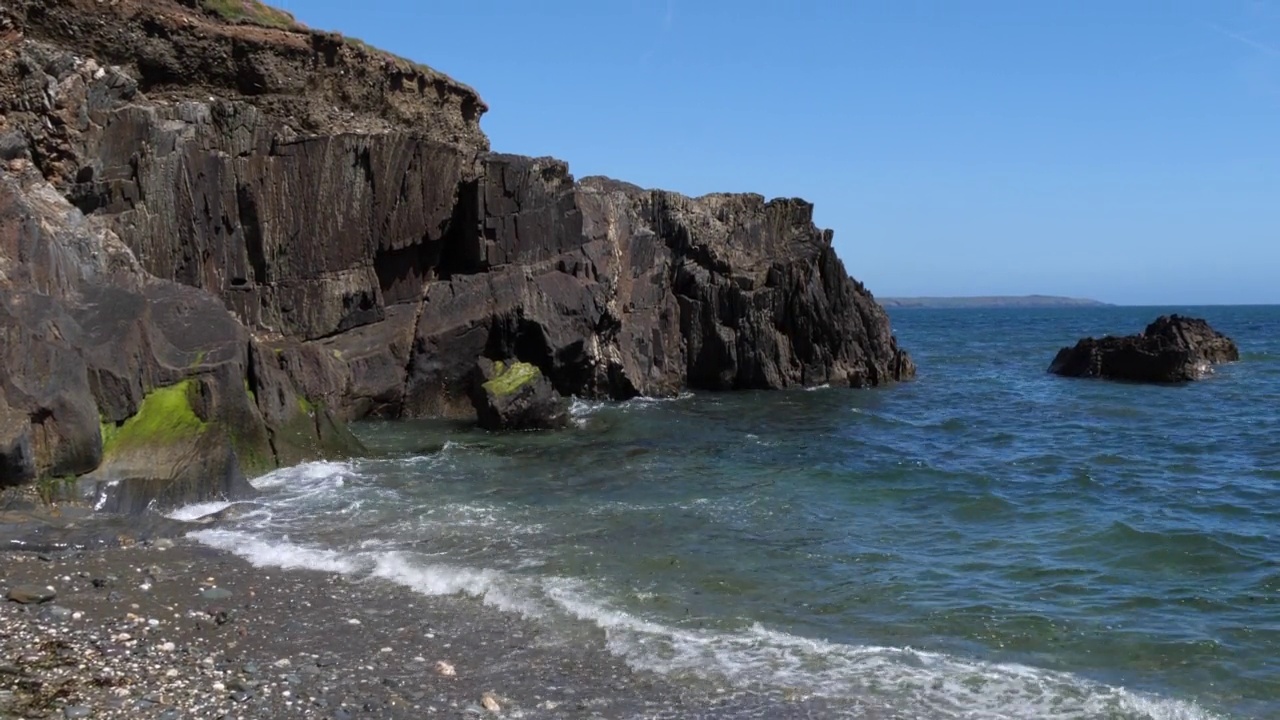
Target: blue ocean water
x=989 y=541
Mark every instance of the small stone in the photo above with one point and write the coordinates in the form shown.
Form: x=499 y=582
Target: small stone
x=163 y=544
x=31 y=594
x=445 y=669
x=77 y=616
x=170 y=714
x=353 y=621
x=240 y=696
x=58 y=614
x=168 y=647
x=341 y=714
x=490 y=702
x=216 y=594
x=74 y=712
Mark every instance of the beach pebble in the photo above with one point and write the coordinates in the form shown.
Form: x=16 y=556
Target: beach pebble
x=445 y=669
x=31 y=594
x=74 y=712
x=353 y=621
x=490 y=702
x=56 y=613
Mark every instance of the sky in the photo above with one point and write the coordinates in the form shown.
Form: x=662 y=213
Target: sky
x=1122 y=151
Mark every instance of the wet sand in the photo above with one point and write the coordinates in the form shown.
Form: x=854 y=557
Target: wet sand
x=170 y=629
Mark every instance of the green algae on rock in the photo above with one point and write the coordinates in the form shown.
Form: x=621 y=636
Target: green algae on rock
x=183 y=445
x=516 y=396
x=510 y=378
x=166 y=415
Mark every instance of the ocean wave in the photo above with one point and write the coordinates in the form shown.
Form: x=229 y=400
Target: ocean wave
x=314 y=475
x=900 y=682
x=580 y=409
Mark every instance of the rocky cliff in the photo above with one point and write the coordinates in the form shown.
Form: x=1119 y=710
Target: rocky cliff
x=343 y=207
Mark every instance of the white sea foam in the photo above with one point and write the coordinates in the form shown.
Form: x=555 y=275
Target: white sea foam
x=199 y=510
x=899 y=682
x=308 y=475
x=580 y=409
x=278 y=553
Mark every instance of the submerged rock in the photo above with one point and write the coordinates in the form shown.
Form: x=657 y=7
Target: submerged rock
x=1173 y=349
x=516 y=396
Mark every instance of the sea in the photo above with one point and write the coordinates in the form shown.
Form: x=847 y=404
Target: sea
x=987 y=542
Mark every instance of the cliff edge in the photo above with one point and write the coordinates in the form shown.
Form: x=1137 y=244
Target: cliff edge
x=357 y=246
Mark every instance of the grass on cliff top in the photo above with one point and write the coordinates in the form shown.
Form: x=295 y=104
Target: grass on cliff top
x=508 y=379
x=165 y=416
x=250 y=12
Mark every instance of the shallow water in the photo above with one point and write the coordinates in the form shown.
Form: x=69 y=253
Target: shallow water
x=987 y=542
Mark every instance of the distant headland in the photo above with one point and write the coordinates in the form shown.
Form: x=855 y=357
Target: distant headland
x=991 y=301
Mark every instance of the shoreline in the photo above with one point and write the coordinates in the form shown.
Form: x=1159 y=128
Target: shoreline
x=173 y=629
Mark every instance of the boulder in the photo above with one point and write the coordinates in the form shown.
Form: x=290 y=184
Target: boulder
x=1173 y=349
x=31 y=594
x=516 y=396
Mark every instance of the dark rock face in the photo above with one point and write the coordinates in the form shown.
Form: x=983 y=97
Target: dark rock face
x=313 y=232
x=140 y=385
x=516 y=396
x=1173 y=349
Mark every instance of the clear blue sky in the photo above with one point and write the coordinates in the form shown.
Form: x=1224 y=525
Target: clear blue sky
x=1124 y=150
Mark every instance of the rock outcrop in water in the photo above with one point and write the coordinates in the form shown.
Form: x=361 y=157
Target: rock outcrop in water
x=312 y=231
x=1173 y=349
x=516 y=396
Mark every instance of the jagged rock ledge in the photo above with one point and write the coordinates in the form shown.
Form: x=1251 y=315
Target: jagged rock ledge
x=280 y=230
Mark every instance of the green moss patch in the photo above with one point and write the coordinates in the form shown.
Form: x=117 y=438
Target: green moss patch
x=250 y=12
x=509 y=379
x=165 y=416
